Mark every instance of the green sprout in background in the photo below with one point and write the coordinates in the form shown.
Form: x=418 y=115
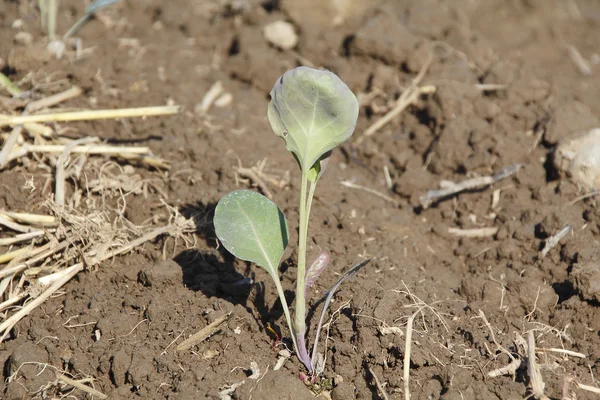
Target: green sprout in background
x=314 y=112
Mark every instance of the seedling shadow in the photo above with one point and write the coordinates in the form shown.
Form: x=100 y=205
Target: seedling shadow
x=214 y=272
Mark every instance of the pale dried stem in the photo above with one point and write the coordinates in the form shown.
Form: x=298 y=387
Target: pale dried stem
x=580 y=62
x=11 y=255
x=77 y=384
x=564 y=351
x=90 y=115
x=13 y=300
x=39 y=129
x=31 y=219
x=8 y=222
x=37 y=255
x=478 y=183
x=352 y=185
x=553 y=240
x=533 y=369
x=53 y=100
x=473 y=233
x=8 y=145
x=407 y=351
x=250 y=174
x=588 y=388
x=378 y=384
x=23 y=237
x=203 y=333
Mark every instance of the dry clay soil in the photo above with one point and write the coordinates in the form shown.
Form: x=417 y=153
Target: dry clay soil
x=152 y=52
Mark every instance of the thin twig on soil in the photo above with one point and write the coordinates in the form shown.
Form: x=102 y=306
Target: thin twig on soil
x=53 y=100
x=408 y=97
x=89 y=115
x=515 y=362
x=8 y=145
x=593 y=193
x=580 y=62
x=473 y=233
x=379 y=385
x=533 y=369
x=352 y=185
x=564 y=351
x=91 y=391
x=250 y=174
x=139 y=154
x=407 y=350
x=553 y=240
x=203 y=333
x=588 y=388
x=478 y=183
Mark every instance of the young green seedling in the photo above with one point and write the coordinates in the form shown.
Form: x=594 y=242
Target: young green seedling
x=314 y=112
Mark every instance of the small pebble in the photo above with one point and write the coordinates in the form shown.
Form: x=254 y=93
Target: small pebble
x=281 y=34
x=24 y=38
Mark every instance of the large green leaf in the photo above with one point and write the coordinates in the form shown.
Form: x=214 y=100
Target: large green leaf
x=252 y=228
x=313 y=111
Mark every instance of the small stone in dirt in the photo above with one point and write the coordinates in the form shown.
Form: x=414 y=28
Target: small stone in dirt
x=586 y=280
x=579 y=158
x=24 y=38
x=281 y=34
x=161 y=273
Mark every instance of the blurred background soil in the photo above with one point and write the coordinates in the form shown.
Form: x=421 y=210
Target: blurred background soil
x=510 y=82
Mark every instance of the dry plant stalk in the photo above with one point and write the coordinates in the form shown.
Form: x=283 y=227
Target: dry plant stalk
x=352 y=185
x=378 y=384
x=478 y=183
x=203 y=333
x=473 y=233
x=553 y=240
x=77 y=384
x=407 y=350
x=533 y=369
x=90 y=115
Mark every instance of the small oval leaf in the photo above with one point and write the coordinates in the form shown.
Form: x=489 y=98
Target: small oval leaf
x=252 y=228
x=313 y=111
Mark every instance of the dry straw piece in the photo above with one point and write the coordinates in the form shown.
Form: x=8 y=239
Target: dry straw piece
x=64 y=241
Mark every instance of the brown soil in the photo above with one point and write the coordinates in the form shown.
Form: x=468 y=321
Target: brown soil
x=180 y=49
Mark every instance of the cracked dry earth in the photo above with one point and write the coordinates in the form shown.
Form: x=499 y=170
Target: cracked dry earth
x=507 y=90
